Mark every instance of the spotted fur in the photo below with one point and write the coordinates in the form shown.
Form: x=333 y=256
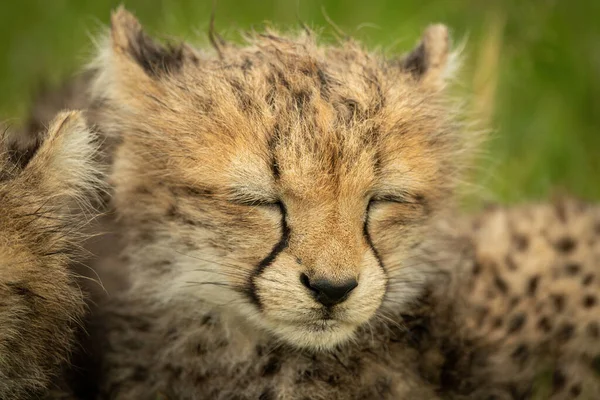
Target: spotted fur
x=526 y=302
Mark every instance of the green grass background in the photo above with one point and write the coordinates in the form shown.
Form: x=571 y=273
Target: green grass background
x=533 y=66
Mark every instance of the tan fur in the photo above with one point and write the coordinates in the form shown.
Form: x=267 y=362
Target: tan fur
x=40 y=302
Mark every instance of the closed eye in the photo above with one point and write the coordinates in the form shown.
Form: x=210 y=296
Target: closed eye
x=251 y=201
x=387 y=198
x=250 y=195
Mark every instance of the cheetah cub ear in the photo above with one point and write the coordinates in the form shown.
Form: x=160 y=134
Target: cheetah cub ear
x=129 y=40
x=431 y=62
x=129 y=62
x=56 y=164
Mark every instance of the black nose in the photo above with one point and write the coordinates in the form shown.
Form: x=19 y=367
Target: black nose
x=327 y=292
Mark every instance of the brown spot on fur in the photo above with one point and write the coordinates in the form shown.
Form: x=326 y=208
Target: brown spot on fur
x=260 y=350
x=572 y=269
x=589 y=301
x=324 y=83
x=558 y=381
x=201 y=349
x=544 y=324
x=558 y=301
x=565 y=332
x=172 y=211
x=267 y=395
x=521 y=242
x=514 y=302
x=245 y=100
x=174 y=370
x=271 y=367
x=587 y=280
x=596 y=364
x=565 y=245
x=501 y=284
x=516 y=323
x=302 y=98
x=140 y=374
x=22 y=290
x=575 y=390
x=497 y=323
x=520 y=354
x=532 y=285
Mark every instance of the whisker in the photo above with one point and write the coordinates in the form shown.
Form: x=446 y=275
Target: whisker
x=220 y=263
x=234 y=274
x=192 y=283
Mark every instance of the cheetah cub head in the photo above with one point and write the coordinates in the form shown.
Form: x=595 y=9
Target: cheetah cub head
x=283 y=181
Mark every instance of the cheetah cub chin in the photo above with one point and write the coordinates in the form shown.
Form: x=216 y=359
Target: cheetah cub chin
x=42 y=182
x=283 y=183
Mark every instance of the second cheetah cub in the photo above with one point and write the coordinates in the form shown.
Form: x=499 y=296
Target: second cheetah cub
x=45 y=183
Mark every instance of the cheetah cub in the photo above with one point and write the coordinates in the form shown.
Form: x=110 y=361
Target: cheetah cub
x=282 y=210
x=271 y=200
x=41 y=182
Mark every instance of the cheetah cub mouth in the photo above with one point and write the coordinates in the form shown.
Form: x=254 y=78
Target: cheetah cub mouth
x=283 y=181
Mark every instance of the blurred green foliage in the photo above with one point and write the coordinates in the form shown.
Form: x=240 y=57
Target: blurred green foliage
x=533 y=66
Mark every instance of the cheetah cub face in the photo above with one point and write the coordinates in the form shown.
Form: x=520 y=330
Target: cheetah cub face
x=283 y=181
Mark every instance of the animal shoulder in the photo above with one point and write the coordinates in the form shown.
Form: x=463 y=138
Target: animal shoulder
x=527 y=298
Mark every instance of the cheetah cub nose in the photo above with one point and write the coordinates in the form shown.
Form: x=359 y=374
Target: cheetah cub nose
x=327 y=292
